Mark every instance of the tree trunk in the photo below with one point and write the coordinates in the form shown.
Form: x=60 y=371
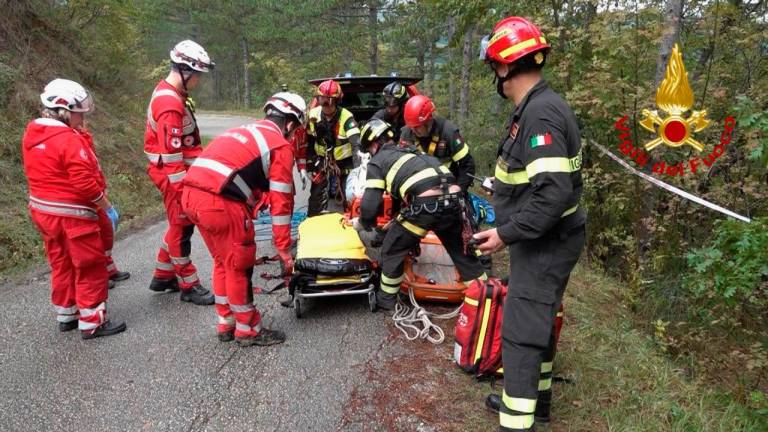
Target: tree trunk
x=673 y=12
x=670 y=33
x=429 y=77
x=466 y=65
x=449 y=66
x=373 y=20
x=246 y=76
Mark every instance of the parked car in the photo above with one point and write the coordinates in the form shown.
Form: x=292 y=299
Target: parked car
x=362 y=94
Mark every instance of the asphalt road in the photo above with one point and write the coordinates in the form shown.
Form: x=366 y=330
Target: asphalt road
x=168 y=371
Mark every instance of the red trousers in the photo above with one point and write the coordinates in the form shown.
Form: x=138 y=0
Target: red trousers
x=227 y=229
x=173 y=256
x=108 y=239
x=78 y=268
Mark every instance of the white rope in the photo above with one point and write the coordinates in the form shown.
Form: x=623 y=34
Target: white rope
x=417 y=320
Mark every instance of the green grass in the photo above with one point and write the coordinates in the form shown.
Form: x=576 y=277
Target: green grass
x=620 y=379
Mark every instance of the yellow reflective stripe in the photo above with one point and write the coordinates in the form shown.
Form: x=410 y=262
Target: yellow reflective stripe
x=432 y=147
x=375 y=184
x=515 y=421
x=459 y=155
x=518 y=47
x=545 y=384
x=421 y=175
x=395 y=168
x=560 y=314
x=391 y=285
x=392 y=281
x=519 y=404
x=445 y=169
x=421 y=232
x=553 y=164
x=550 y=164
x=470 y=301
x=319 y=149
x=570 y=211
x=483 y=327
x=353 y=131
x=342 y=151
x=546 y=367
x=343 y=119
x=513 y=178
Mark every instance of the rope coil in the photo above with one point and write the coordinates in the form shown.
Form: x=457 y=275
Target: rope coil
x=416 y=322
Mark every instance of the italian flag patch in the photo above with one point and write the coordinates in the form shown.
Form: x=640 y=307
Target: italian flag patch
x=540 y=140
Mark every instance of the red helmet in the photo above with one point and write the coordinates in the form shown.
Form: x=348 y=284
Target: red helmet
x=329 y=88
x=512 y=38
x=418 y=111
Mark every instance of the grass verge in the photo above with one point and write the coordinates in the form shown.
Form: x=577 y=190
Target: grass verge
x=618 y=379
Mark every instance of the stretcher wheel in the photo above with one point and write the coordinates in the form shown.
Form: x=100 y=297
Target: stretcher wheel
x=372 y=301
x=297 y=306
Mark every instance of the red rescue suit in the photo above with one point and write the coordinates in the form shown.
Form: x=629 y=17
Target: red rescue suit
x=105 y=225
x=300 y=147
x=59 y=165
x=171 y=143
x=222 y=189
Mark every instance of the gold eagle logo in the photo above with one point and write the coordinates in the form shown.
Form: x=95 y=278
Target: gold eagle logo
x=675 y=97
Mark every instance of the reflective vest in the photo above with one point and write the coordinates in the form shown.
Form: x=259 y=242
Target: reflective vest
x=338 y=132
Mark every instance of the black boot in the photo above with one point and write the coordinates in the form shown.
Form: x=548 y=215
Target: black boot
x=541 y=415
x=385 y=301
x=67 y=326
x=493 y=402
x=110 y=284
x=109 y=328
x=542 y=406
x=264 y=338
x=160 y=285
x=197 y=295
x=226 y=336
x=120 y=276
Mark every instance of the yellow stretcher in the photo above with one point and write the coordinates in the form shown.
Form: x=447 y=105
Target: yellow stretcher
x=331 y=261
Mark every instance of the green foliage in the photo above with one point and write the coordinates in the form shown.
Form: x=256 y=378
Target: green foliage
x=734 y=267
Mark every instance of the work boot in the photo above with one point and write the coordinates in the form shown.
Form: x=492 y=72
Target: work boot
x=227 y=336
x=386 y=301
x=67 y=326
x=110 y=284
x=493 y=402
x=120 y=276
x=542 y=406
x=264 y=338
x=541 y=415
x=197 y=295
x=109 y=328
x=160 y=285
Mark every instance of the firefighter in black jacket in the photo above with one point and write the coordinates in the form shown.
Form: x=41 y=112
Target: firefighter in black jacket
x=537 y=190
x=429 y=200
x=439 y=137
x=395 y=97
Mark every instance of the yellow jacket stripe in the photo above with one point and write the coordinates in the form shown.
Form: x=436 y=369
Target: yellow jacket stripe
x=395 y=168
x=538 y=166
x=375 y=184
x=459 y=155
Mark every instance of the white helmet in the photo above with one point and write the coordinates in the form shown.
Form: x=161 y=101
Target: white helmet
x=63 y=93
x=193 y=55
x=287 y=103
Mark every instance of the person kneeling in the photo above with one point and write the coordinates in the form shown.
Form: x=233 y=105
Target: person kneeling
x=428 y=198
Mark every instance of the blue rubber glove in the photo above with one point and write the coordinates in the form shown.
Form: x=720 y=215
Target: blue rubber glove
x=114 y=217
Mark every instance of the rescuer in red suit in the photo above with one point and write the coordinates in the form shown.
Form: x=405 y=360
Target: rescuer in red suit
x=171 y=143
x=65 y=199
x=231 y=178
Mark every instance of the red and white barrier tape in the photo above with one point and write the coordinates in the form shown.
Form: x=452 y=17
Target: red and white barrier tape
x=667 y=186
